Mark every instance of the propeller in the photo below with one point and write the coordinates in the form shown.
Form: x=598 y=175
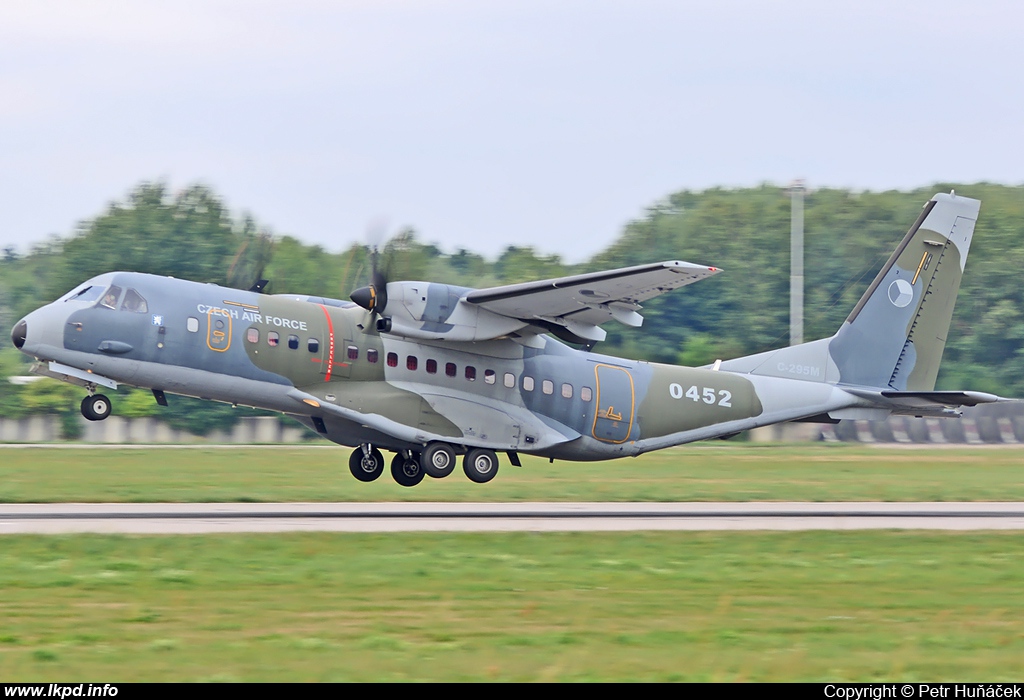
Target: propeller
x=374 y=297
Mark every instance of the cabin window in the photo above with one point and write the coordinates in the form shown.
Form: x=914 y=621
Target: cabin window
x=566 y=391
x=509 y=380
x=273 y=339
x=293 y=342
x=192 y=324
x=109 y=299
x=411 y=363
x=353 y=352
x=471 y=373
x=313 y=345
x=547 y=386
x=527 y=383
x=392 y=359
x=134 y=302
x=431 y=366
x=586 y=394
x=372 y=356
x=253 y=335
x=489 y=376
x=450 y=369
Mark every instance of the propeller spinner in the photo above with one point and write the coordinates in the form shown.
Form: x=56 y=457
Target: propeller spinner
x=373 y=298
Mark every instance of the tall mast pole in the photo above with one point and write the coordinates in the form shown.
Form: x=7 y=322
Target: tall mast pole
x=796 y=263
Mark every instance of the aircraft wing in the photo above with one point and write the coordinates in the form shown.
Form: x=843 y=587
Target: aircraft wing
x=581 y=303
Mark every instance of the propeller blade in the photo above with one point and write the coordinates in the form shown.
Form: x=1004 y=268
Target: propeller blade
x=374 y=297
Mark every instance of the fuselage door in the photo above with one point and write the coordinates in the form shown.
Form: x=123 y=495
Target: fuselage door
x=218 y=330
x=615 y=399
x=344 y=355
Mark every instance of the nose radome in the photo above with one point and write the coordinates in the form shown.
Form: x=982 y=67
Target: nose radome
x=19 y=334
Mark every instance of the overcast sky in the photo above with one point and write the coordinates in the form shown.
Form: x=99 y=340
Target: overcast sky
x=484 y=124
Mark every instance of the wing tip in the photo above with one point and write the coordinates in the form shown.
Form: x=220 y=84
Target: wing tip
x=683 y=266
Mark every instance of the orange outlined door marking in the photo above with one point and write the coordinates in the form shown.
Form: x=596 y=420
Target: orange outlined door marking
x=613 y=420
x=218 y=330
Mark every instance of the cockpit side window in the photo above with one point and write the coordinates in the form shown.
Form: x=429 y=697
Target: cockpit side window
x=134 y=302
x=90 y=293
x=109 y=299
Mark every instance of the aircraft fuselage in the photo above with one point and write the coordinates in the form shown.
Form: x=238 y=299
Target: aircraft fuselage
x=285 y=353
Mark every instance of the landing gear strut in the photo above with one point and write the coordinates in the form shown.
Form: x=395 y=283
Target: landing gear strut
x=96 y=407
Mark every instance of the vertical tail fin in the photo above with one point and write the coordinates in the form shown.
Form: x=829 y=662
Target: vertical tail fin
x=895 y=335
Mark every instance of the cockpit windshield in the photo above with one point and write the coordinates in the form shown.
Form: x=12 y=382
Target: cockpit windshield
x=134 y=302
x=108 y=295
x=109 y=299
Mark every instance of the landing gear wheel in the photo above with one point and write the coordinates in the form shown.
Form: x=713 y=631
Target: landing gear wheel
x=480 y=465
x=407 y=471
x=438 y=460
x=368 y=466
x=96 y=407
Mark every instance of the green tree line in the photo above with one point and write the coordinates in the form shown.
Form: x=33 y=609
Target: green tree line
x=192 y=235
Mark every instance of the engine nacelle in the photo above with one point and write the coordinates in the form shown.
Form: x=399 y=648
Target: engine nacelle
x=431 y=311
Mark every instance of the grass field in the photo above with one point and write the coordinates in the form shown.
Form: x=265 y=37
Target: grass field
x=648 y=606
x=705 y=472
x=641 y=606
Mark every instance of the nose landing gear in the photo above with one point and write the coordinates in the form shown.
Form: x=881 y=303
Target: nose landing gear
x=96 y=407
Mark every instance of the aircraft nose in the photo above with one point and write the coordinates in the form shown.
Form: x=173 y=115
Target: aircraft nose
x=19 y=334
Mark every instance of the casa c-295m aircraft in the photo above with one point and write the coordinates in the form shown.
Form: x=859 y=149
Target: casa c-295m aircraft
x=432 y=371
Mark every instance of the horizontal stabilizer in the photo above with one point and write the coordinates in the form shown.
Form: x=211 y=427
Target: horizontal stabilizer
x=925 y=401
x=943 y=398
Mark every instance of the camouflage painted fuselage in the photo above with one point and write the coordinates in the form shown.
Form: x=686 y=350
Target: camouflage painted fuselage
x=323 y=361
x=288 y=353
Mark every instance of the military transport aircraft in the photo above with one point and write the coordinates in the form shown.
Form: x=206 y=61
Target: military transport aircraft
x=431 y=371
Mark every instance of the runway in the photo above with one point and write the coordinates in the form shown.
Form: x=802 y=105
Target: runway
x=198 y=518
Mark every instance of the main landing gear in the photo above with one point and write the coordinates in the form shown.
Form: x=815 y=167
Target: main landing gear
x=406 y=468
x=366 y=463
x=96 y=407
x=436 y=460
x=480 y=465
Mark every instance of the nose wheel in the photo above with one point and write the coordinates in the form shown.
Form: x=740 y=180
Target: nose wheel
x=96 y=407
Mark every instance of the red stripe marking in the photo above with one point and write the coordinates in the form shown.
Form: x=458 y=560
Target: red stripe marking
x=330 y=346
x=333 y=364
